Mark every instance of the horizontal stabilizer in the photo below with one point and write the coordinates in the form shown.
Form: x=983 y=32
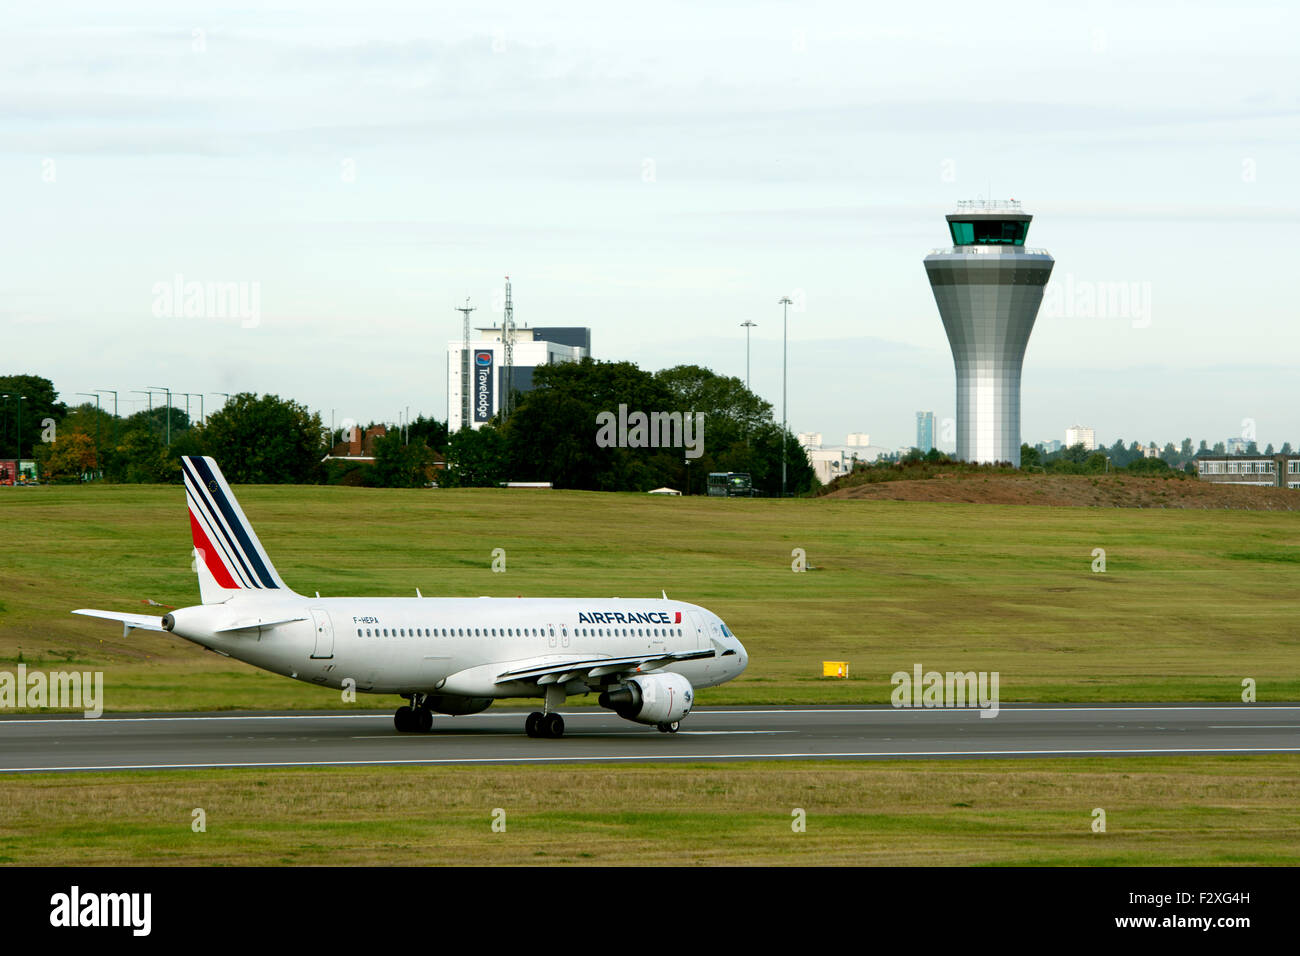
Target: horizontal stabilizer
x=129 y=622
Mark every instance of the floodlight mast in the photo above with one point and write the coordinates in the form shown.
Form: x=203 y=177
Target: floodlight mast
x=466 y=309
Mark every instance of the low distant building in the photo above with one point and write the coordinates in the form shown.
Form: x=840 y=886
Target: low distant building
x=357 y=446
x=1236 y=446
x=858 y=440
x=476 y=381
x=809 y=439
x=829 y=463
x=1278 y=471
x=1083 y=435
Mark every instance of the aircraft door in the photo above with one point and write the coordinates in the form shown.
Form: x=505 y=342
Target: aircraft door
x=700 y=639
x=324 y=633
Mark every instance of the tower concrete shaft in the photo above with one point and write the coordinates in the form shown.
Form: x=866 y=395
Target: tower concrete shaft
x=988 y=288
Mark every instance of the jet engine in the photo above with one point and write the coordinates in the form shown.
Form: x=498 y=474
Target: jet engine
x=652 y=699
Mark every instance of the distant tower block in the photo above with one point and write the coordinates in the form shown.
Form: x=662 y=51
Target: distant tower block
x=988 y=288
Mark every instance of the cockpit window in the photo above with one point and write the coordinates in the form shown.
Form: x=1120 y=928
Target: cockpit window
x=724 y=629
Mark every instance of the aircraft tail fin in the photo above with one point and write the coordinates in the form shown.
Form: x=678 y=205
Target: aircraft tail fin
x=228 y=556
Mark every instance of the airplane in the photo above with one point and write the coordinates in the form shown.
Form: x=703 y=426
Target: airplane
x=455 y=656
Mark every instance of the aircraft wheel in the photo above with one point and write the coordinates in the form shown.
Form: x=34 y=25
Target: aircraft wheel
x=670 y=728
x=404 y=720
x=532 y=726
x=423 y=720
x=553 y=725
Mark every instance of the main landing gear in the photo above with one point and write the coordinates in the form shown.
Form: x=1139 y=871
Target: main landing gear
x=546 y=722
x=415 y=719
x=544 y=725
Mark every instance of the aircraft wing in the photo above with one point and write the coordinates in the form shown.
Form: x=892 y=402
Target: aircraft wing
x=550 y=670
x=129 y=622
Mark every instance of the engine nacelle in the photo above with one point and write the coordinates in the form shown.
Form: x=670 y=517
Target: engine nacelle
x=456 y=706
x=652 y=699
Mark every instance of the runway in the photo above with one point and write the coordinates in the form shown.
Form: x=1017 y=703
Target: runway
x=30 y=744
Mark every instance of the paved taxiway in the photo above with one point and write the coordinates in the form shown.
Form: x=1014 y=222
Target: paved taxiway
x=43 y=743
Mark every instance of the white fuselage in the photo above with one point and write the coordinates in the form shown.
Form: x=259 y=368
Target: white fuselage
x=453 y=646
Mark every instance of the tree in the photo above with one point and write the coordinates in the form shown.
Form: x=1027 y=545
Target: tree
x=1029 y=457
x=266 y=439
x=1220 y=448
x=1095 y=463
x=159 y=421
x=69 y=458
x=33 y=399
x=554 y=435
x=1269 y=449
x=401 y=465
x=428 y=430
x=1204 y=449
x=140 y=457
x=1286 y=449
x=476 y=458
x=1147 y=466
x=1077 y=453
x=1185 y=453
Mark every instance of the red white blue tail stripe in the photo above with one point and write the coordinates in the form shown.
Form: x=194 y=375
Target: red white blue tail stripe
x=223 y=538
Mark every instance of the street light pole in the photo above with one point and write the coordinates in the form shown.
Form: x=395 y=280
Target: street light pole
x=95 y=396
x=747 y=325
x=785 y=338
x=20 y=430
x=110 y=391
x=136 y=391
x=163 y=388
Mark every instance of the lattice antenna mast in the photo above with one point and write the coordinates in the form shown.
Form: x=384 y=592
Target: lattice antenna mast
x=508 y=334
x=464 y=367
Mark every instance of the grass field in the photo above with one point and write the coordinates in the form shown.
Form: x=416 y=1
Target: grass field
x=1185 y=811
x=1191 y=602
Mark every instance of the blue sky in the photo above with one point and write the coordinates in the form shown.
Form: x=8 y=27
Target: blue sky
x=660 y=173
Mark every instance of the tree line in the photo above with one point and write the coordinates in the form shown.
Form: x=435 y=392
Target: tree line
x=550 y=436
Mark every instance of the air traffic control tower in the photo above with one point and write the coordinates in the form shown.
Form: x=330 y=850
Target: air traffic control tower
x=988 y=288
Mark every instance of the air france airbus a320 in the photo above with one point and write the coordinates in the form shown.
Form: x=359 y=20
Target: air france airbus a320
x=445 y=655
